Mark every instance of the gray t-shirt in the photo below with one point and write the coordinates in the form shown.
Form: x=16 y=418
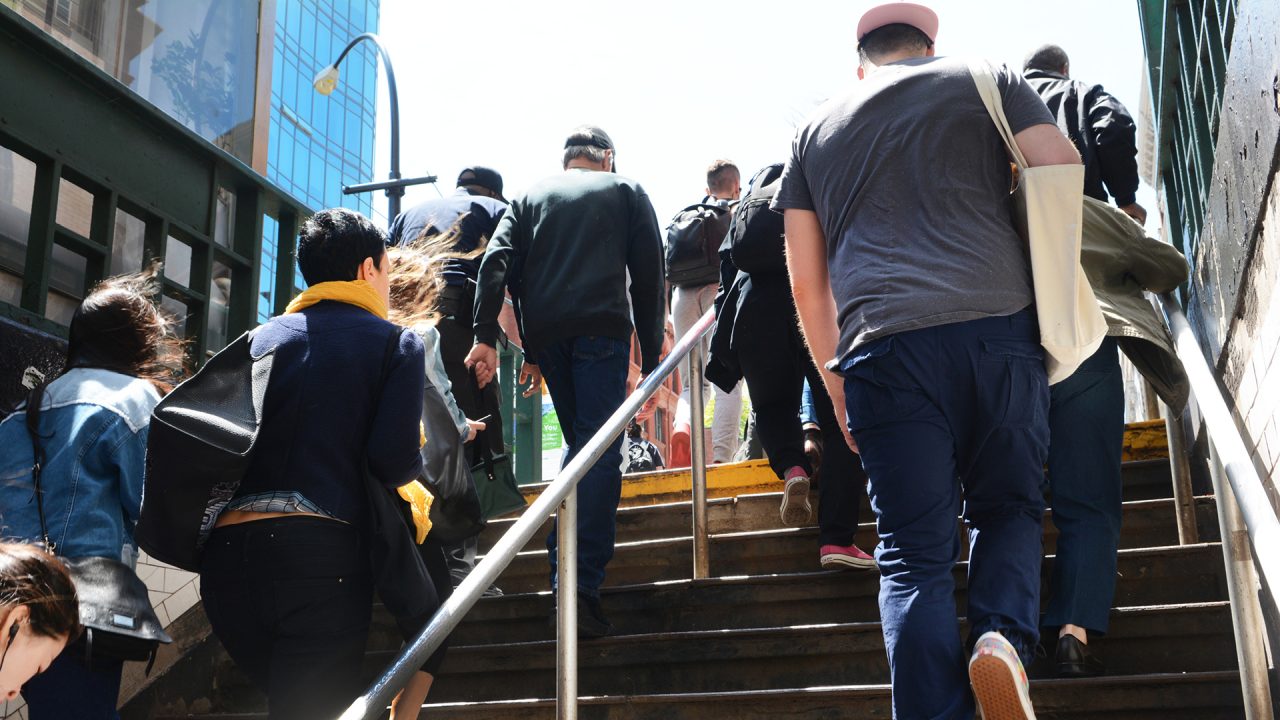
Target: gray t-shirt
x=910 y=181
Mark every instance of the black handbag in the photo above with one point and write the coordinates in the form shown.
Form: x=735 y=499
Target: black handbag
x=455 y=512
x=198 y=450
x=115 y=609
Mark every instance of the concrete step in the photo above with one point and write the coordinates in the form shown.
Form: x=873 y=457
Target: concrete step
x=1146 y=523
x=1147 y=576
x=1139 y=641
x=1150 y=696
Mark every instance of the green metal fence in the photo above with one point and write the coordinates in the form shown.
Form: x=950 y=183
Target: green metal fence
x=1187 y=43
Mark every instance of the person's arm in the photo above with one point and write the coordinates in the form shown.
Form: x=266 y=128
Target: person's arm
x=1034 y=131
x=438 y=378
x=1115 y=139
x=811 y=287
x=645 y=263
x=128 y=452
x=1046 y=145
x=491 y=283
x=395 y=435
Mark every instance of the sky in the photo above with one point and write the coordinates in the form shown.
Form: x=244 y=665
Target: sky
x=678 y=84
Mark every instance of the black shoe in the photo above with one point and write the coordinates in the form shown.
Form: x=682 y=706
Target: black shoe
x=1075 y=661
x=591 y=620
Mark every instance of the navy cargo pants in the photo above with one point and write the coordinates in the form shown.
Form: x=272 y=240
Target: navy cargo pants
x=937 y=411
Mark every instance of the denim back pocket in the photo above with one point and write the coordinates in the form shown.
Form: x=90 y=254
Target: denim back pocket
x=599 y=347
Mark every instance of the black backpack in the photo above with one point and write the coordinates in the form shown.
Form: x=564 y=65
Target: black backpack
x=693 y=245
x=755 y=239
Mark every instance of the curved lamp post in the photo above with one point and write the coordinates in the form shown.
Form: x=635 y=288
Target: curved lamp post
x=327 y=80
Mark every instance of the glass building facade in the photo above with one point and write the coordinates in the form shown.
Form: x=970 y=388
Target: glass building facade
x=204 y=63
x=316 y=143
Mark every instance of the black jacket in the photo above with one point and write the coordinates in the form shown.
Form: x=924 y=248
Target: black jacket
x=1102 y=130
x=477 y=214
x=565 y=250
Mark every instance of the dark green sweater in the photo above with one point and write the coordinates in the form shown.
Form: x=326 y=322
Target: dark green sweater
x=565 y=249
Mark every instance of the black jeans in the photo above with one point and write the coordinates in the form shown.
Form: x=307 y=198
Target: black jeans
x=290 y=599
x=775 y=378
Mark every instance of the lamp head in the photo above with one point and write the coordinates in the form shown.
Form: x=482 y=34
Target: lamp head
x=326 y=80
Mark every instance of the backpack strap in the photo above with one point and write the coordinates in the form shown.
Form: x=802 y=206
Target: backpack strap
x=34 y=401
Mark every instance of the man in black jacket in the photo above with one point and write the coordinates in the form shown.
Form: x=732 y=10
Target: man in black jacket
x=565 y=250
x=1101 y=128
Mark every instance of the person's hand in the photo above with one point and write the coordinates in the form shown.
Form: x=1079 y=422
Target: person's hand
x=473 y=428
x=483 y=360
x=649 y=406
x=1135 y=211
x=836 y=391
x=532 y=374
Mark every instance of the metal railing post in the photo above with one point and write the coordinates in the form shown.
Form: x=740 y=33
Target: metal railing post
x=698 y=469
x=1242 y=588
x=567 y=608
x=1183 y=496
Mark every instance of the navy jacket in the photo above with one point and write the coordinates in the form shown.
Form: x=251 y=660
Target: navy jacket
x=479 y=215
x=322 y=419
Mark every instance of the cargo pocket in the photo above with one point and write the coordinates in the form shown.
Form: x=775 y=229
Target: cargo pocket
x=1013 y=384
x=878 y=388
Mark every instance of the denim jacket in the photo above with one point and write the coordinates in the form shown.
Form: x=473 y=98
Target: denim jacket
x=93 y=425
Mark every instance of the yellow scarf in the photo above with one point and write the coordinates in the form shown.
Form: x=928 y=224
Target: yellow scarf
x=419 y=499
x=352 y=292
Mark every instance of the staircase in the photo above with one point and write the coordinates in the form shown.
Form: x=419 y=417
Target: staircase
x=773 y=636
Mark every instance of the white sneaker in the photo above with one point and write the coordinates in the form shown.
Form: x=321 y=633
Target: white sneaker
x=999 y=680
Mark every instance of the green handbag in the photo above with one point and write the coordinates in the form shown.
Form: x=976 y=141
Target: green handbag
x=495 y=482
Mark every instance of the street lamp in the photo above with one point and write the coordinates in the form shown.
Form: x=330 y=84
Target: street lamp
x=327 y=79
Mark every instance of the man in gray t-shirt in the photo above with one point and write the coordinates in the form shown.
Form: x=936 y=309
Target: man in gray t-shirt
x=900 y=244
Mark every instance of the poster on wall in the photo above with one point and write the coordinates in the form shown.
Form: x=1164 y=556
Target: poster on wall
x=552 y=440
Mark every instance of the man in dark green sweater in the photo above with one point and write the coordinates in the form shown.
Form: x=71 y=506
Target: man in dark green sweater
x=565 y=250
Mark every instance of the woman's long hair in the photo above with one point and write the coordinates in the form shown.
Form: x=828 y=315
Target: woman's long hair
x=120 y=327
x=32 y=577
x=416 y=279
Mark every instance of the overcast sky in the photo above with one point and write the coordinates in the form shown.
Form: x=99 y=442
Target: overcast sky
x=678 y=84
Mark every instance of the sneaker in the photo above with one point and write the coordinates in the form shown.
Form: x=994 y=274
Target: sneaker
x=492 y=591
x=679 y=452
x=839 y=557
x=796 y=510
x=999 y=680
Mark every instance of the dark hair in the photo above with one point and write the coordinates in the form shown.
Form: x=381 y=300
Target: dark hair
x=719 y=173
x=892 y=38
x=1047 y=57
x=634 y=428
x=119 y=327
x=334 y=243
x=32 y=577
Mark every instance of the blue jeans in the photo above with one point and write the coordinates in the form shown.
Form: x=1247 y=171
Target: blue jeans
x=1086 y=424
x=587 y=378
x=934 y=411
x=69 y=688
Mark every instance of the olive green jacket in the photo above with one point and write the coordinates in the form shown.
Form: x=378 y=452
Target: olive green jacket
x=1121 y=262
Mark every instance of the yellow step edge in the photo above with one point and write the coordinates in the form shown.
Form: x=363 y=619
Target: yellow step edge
x=1142 y=441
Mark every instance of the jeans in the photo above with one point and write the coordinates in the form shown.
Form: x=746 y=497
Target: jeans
x=937 y=410
x=1086 y=425
x=587 y=379
x=69 y=688
x=776 y=374
x=290 y=599
x=687 y=306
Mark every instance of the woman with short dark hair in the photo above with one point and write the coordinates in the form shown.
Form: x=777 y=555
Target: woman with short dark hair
x=38 y=614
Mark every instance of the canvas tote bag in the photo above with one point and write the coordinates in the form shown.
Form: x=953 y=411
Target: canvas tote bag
x=1047 y=208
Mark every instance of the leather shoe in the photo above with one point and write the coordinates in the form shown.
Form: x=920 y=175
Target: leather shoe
x=1075 y=661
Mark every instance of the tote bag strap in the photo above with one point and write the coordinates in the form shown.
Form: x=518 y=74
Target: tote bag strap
x=989 y=91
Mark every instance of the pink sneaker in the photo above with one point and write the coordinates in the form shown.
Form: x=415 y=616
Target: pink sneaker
x=838 y=557
x=999 y=680
x=795 y=510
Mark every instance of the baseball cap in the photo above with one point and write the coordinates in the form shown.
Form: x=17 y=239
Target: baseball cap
x=917 y=16
x=487 y=178
x=592 y=136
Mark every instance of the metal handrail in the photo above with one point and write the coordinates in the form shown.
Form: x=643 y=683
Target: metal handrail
x=1245 y=515
x=373 y=702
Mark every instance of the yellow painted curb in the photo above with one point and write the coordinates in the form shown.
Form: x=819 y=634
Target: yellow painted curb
x=1142 y=441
